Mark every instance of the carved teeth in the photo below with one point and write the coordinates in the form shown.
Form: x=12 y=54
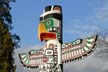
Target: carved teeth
x=54 y=29
x=50 y=29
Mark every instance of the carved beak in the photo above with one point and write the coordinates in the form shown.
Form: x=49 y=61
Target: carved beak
x=43 y=34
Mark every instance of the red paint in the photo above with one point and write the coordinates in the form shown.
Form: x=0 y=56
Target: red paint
x=51 y=45
x=44 y=36
x=45 y=59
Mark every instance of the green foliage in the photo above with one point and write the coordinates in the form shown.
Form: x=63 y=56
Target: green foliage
x=8 y=42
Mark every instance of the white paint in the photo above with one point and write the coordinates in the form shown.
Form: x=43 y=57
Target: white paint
x=69 y=54
x=45 y=65
x=86 y=48
x=54 y=29
x=54 y=42
x=77 y=52
x=51 y=60
x=80 y=52
x=63 y=45
x=22 y=56
x=91 y=40
x=50 y=29
x=47 y=52
x=27 y=61
x=34 y=62
x=59 y=54
x=89 y=44
x=72 y=54
x=41 y=66
x=49 y=12
x=24 y=59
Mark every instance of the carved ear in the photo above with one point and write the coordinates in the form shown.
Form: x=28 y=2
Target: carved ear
x=47 y=8
x=57 y=8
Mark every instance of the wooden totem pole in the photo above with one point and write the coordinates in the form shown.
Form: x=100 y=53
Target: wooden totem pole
x=55 y=53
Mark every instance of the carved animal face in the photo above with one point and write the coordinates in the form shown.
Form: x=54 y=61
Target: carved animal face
x=50 y=50
x=50 y=23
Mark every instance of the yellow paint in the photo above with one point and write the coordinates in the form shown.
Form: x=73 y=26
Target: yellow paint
x=42 y=29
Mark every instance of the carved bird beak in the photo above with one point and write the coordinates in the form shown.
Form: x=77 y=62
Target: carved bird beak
x=43 y=34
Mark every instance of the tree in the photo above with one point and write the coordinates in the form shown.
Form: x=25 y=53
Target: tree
x=8 y=41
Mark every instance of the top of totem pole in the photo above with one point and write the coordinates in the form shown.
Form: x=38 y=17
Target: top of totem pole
x=51 y=10
x=55 y=7
x=55 y=53
x=50 y=23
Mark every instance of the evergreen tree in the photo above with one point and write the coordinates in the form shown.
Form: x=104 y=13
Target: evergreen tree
x=8 y=41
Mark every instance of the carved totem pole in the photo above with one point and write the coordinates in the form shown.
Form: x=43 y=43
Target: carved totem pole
x=55 y=53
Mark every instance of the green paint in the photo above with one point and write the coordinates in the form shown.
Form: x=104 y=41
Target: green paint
x=90 y=37
x=49 y=23
x=89 y=42
x=73 y=43
x=87 y=46
x=27 y=61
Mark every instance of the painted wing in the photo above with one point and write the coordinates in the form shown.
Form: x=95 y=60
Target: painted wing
x=78 y=49
x=32 y=59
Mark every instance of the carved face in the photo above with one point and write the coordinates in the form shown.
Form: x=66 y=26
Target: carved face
x=50 y=50
x=50 y=23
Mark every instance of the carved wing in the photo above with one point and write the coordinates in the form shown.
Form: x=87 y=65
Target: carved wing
x=32 y=59
x=78 y=49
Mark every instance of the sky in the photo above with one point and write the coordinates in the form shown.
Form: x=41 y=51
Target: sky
x=81 y=18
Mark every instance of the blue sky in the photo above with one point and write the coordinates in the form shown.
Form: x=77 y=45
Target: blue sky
x=81 y=18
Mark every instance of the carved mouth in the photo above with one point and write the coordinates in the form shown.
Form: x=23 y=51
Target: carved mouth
x=47 y=36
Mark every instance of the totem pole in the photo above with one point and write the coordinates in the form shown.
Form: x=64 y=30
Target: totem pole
x=55 y=53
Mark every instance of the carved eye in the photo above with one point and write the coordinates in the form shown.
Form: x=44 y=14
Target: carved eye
x=78 y=41
x=32 y=52
x=63 y=46
x=49 y=52
x=48 y=22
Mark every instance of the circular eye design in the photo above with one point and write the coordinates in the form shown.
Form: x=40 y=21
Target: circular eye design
x=63 y=46
x=78 y=41
x=48 y=22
